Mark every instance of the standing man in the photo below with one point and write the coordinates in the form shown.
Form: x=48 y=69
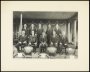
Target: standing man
x=39 y=32
x=49 y=34
x=26 y=29
x=32 y=28
x=57 y=30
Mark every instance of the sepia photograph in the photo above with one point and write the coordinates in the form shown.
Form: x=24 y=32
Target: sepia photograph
x=45 y=34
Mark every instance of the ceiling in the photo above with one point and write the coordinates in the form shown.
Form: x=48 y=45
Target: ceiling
x=44 y=15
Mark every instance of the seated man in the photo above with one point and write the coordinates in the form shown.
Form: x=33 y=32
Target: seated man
x=22 y=42
x=43 y=37
x=33 y=40
x=54 y=39
x=60 y=47
x=43 y=46
x=43 y=42
x=65 y=43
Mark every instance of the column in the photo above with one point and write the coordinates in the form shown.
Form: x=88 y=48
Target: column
x=67 y=30
x=71 y=31
x=20 y=26
x=75 y=23
x=69 y=36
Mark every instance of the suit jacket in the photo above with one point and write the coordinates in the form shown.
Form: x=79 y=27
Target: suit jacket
x=26 y=31
x=55 y=39
x=43 y=45
x=33 y=39
x=58 y=31
x=23 y=38
x=42 y=39
x=64 y=40
x=49 y=32
x=34 y=29
x=39 y=31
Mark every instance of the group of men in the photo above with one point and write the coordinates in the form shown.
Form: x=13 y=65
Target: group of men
x=39 y=37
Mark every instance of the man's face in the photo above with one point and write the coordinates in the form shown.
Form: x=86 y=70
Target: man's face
x=57 y=26
x=39 y=25
x=25 y=25
x=23 y=33
x=33 y=33
x=49 y=26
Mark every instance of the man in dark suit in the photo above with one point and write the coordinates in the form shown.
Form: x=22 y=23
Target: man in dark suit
x=39 y=32
x=22 y=41
x=60 y=44
x=43 y=42
x=33 y=40
x=32 y=28
x=64 y=40
x=65 y=43
x=43 y=46
x=54 y=39
x=57 y=30
x=43 y=37
x=49 y=34
x=25 y=27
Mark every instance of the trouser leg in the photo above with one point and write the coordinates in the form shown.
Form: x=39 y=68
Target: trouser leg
x=18 y=46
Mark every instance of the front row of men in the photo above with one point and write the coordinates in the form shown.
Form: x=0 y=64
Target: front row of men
x=42 y=40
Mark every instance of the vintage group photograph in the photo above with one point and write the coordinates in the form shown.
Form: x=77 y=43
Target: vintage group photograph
x=45 y=34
